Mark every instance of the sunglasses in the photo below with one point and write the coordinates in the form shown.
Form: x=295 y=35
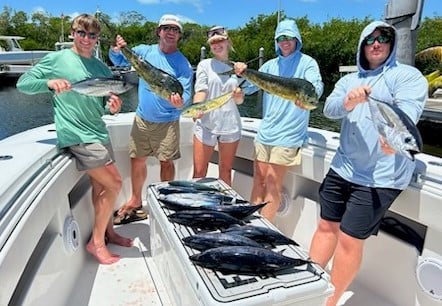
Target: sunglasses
x=284 y=38
x=382 y=39
x=168 y=28
x=83 y=34
x=219 y=31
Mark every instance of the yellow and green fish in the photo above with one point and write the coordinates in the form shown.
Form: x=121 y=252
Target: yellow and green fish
x=197 y=109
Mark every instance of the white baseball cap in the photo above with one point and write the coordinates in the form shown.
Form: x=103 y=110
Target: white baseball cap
x=169 y=19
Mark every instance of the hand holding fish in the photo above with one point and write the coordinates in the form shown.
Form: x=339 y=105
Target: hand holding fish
x=176 y=100
x=385 y=146
x=59 y=85
x=119 y=43
x=355 y=96
x=239 y=67
x=301 y=105
x=238 y=95
x=114 y=104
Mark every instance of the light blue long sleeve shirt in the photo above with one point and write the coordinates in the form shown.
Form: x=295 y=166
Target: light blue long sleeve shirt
x=151 y=107
x=359 y=158
x=283 y=123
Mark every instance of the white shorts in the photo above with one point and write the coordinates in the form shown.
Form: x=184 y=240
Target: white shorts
x=210 y=139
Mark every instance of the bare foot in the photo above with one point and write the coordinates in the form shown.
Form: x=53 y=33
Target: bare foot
x=119 y=240
x=102 y=254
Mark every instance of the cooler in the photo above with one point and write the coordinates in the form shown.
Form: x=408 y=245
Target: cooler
x=189 y=284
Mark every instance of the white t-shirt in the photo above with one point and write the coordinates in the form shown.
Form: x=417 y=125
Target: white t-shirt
x=226 y=119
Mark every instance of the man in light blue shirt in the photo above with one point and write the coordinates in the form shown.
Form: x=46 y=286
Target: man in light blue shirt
x=366 y=174
x=283 y=128
x=155 y=131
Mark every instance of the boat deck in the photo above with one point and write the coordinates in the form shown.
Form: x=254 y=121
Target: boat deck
x=135 y=280
x=136 y=270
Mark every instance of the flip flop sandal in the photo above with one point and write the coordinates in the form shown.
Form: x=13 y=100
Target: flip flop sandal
x=136 y=214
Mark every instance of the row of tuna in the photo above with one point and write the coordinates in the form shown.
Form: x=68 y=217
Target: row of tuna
x=225 y=237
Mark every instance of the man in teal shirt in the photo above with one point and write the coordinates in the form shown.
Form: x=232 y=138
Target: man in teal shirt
x=80 y=127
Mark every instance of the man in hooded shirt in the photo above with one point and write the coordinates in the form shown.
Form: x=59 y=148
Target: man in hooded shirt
x=366 y=175
x=283 y=128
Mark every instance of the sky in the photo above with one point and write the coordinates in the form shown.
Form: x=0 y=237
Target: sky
x=232 y=14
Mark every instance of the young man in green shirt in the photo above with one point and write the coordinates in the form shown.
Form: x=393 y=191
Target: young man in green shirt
x=80 y=127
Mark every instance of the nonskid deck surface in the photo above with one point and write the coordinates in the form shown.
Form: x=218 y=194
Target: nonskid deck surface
x=133 y=280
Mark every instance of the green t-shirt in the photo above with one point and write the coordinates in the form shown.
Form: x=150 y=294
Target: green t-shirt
x=78 y=118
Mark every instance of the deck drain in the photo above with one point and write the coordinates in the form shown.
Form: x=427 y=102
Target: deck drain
x=71 y=235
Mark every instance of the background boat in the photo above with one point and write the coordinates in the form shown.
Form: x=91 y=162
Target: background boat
x=13 y=59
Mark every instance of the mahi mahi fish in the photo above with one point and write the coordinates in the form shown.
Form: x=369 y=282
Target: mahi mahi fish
x=245 y=260
x=160 y=82
x=204 y=107
x=398 y=130
x=101 y=87
x=293 y=89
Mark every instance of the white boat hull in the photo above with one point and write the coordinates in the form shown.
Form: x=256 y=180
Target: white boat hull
x=42 y=259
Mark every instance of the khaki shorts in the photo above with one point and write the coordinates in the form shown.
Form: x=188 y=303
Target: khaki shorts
x=277 y=155
x=161 y=140
x=92 y=155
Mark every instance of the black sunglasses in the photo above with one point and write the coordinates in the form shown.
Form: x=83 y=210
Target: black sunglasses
x=169 y=28
x=382 y=39
x=218 y=31
x=83 y=34
x=284 y=38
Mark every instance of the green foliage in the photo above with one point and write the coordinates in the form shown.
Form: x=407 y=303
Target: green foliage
x=332 y=43
x=430 y=33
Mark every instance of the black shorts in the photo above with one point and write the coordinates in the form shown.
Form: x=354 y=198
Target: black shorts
x=359 y=209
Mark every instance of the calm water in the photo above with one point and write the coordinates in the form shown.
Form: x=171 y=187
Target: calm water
x=19 y=112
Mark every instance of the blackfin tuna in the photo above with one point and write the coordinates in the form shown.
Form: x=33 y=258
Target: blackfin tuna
x=398 y=130
x=240 y=211
x=246 y=260
x=101 y=87
x=261 y=234
x=205 y=241
x=204 y=219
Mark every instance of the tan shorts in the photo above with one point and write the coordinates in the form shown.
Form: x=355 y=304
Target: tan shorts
x=277 y=155
x=161 y=140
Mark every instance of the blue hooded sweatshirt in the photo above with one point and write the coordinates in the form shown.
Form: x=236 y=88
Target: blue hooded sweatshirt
x=359 y=158
x=283 y=123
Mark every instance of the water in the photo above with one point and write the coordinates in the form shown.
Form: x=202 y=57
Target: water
x=20 y=112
